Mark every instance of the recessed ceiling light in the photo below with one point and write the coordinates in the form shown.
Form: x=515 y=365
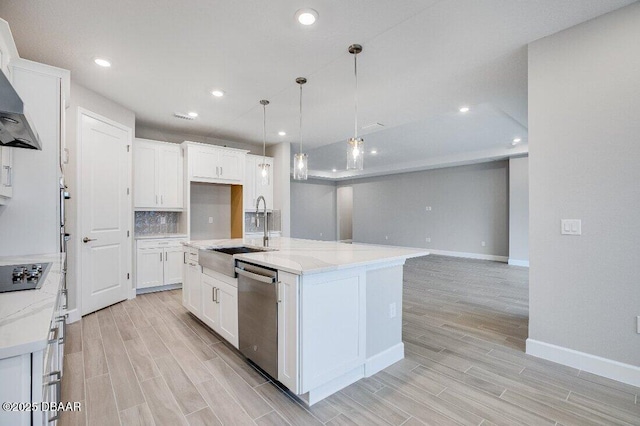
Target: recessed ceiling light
x=517 y=140
x=102 y=62
x=282 y=133
x=464 y=109
x=306 y=16
x=373 y=151
x=193 y=114
x=334 y=170
x=217 y=93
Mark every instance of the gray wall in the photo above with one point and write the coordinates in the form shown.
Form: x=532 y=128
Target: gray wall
x=313 y=210
x=210 y=200
x=87 y=99
x=519 y=210
x=584 y=156
x=344 y=206
x=469 y=204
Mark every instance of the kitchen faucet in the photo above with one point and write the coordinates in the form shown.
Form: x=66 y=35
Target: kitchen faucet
x=265 y=239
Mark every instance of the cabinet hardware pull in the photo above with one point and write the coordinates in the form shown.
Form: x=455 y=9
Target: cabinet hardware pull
x=162 y=199
x=217 y=295
x=165 y=256
x=221 y=171
x=278 y=292
x=156 y=199
x=160 y=256
x=213 y=294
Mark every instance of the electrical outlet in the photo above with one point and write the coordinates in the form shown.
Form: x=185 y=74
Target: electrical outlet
x=386 y=237
x=210 y=219
x=163 y=220
x=483 y=244
x=392 y=310
x=571 y=227
x=321 y=234
x=428 y=208
x=428 y=240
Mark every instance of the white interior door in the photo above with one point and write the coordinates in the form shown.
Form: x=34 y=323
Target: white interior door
x=105 y=212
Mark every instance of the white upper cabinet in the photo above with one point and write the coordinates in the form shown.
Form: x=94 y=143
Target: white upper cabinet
x=213 y=164
x=253 y=187
x=158 y=177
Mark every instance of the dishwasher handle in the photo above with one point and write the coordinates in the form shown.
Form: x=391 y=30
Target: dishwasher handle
x=257 y=277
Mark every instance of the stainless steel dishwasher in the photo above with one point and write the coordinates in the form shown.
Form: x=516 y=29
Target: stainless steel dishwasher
x=258 y=315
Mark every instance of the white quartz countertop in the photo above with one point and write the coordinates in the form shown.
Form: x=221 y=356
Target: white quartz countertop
x=25 y=316
x=309 y=256
x=158 y=236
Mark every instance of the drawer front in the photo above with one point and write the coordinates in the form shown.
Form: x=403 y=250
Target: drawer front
x=160 y=243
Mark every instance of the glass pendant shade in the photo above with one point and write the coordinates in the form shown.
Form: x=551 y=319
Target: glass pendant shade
x=300 y=166
x=355 y=154
x=263 y=168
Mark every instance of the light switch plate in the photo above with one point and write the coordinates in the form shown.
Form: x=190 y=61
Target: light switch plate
x=571 y=227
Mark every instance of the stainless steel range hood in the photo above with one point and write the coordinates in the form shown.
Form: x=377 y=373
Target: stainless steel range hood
x=16 y=129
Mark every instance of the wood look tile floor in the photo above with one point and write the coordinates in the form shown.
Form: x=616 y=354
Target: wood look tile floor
x=148 y=361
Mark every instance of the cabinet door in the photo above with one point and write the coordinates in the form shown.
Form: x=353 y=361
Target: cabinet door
x=203 y=162
x=192 y=285
x=173 y=261
x=171 y=179
x=6 y=172
x=149 y=267
x=265 y=190
x=145 y=167
x=210 y=308
x=288 y=357
x=231 y=165
x=227 y=297
x=249 y=185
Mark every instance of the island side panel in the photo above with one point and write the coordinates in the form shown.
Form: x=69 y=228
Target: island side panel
x=333 y=328
x=384 y=318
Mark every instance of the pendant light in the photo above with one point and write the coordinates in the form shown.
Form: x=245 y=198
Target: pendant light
x=300 y=160
x=264 y=166
x=355 y=151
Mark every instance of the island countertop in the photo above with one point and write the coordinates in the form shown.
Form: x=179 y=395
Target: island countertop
x=25 y=316
x=303 y=257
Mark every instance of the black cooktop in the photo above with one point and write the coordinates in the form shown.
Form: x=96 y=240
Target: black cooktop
x=28 y=276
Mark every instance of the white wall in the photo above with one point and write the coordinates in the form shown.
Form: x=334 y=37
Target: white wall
x=87 y=99
x=145 y=132
x=210 y=200
x=519 y=211
x=584 y=159
x=469 y=204
x=313 y=210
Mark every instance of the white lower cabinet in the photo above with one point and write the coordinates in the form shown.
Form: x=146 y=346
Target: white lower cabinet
x=191 y=298
x=220 y=306
x=159 y=262
x=288 y=331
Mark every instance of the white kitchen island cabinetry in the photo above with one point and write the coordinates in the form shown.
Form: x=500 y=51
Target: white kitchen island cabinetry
x=220 y=304
x=159 y=262
x=158 y=176
x=214 y=164
x=339 y=309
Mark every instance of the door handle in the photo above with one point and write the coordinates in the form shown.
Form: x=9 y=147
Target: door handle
x=86 y=240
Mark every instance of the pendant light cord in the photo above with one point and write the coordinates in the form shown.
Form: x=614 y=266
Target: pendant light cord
x=300 y=118
x=264 y=135
x=355 y=70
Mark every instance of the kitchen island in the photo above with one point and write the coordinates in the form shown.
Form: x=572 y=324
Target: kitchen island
x=339 y=307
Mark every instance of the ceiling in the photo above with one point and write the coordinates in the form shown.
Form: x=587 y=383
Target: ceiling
x=422 y=60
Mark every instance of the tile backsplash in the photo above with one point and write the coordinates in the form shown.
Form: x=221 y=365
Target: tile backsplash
x=273 y=217
x=152 y=223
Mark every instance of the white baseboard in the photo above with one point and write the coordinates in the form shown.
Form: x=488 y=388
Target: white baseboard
x=516 y=262
x=625 y=373
x=469 y=255
x=384 y=359
x=74 y=315
x=333 y=386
